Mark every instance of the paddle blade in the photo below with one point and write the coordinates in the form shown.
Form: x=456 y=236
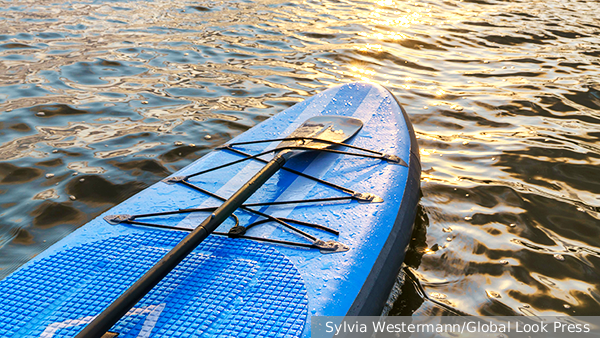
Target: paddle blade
x=325 y=127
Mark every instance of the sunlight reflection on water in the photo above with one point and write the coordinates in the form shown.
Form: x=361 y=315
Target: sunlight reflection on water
x=504 y=97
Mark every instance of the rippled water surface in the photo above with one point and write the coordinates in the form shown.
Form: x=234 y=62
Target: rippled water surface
x=99 y=99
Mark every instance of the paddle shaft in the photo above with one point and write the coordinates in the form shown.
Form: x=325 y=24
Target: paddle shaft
x=115 y=311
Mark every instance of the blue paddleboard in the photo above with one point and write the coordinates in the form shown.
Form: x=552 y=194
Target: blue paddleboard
x=272 y=280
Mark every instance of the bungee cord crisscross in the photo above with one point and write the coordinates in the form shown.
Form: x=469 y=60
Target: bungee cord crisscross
x=239 y=231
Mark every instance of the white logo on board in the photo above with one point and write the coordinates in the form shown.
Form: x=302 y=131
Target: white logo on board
x=153 y=312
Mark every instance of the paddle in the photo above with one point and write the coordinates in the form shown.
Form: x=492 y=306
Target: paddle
x=327 y=128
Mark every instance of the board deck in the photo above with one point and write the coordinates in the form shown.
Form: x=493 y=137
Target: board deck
x=235 y=287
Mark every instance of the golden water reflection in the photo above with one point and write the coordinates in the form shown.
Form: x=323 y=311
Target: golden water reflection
x=503 y=96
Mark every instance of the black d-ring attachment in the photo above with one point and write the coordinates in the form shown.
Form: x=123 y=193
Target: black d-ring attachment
x=394 y=159
x=236 y=231
x=330 y=246
x=116 y=219
x=365 y=197
x=174 y=179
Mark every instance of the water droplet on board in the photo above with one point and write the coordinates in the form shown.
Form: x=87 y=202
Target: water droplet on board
x=504 y=262
x=448 y=229
x=207 y=137
x=468 y=218
x=567 y=306
x=49 y=175
x=512 y=225
x=559 y=257
x=72 y=198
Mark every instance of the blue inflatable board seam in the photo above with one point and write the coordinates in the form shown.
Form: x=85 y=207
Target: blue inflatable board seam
x=239 y=287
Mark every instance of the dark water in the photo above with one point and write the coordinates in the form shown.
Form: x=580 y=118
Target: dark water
x=99 y=99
